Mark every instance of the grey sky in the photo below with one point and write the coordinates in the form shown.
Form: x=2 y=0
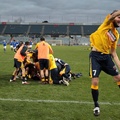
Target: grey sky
x=57 y=10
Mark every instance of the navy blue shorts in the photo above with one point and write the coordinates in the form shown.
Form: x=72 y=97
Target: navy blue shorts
x=44 y=63
x=55 y=76
x=17 y=64
x=101 y=62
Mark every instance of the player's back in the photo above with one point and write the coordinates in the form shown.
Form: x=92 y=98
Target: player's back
x=43 y=50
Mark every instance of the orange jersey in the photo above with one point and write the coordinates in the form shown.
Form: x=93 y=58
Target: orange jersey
x=18 y=56
x=44 y=49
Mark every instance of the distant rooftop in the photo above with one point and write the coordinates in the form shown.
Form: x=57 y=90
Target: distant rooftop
x=81 y=19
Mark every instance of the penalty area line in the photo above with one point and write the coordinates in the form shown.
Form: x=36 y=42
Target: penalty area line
x=56 y=101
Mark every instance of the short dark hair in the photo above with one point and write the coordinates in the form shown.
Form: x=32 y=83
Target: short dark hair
x=20 y=43
x=42 y=39
x=27 y=43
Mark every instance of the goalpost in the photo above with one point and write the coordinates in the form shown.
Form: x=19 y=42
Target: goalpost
x=54 y=42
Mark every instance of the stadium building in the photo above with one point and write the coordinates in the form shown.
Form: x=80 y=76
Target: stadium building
x=55 y=33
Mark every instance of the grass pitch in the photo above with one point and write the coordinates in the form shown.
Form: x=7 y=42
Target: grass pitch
x=57 y=102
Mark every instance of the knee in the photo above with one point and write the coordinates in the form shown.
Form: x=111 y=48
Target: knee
x=95 y=81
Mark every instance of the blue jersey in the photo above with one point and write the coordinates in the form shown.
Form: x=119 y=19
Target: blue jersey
x=31 y=43
x=11 y=43
x=14 y=43
x=4 y=43
x=17 y=43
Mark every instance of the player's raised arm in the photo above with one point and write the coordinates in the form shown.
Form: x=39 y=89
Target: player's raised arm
x=114 y=14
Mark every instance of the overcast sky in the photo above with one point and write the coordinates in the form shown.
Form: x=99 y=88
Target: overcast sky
x=57 y=10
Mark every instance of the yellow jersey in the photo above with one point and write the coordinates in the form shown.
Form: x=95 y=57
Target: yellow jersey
x=52 y=63
x=102 y=39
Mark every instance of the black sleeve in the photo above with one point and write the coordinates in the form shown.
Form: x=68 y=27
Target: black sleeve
x=61 y=62
x=23 y=51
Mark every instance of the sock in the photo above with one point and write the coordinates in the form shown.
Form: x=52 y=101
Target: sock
x=118 y=83
x=23 y=79
x=12 y=77
x=43 y=79
x=60 y=81
x=46 y=78
x=95 y=94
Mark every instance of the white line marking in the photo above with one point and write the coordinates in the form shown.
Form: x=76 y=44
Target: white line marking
x=56 y=101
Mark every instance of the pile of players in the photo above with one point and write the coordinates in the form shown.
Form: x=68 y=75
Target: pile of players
x=28 y=67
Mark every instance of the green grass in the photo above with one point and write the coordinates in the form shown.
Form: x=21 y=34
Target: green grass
x=79 y=90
